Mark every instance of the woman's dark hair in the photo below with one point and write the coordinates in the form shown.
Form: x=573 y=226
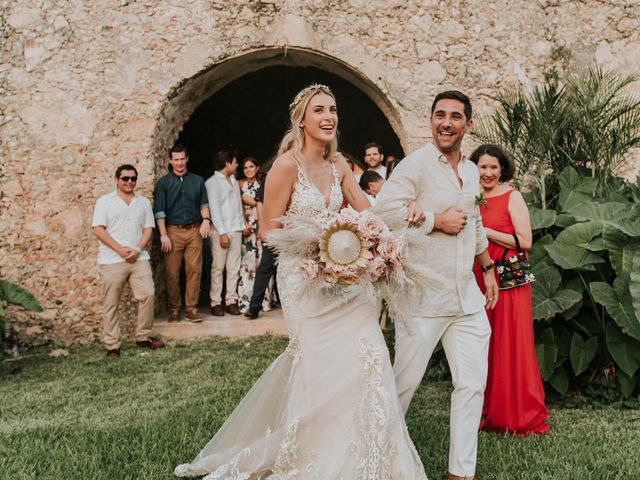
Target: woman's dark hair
x=507 y=167
x=252 y=160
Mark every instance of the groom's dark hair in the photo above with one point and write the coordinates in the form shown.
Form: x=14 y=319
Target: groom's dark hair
x=454 y=95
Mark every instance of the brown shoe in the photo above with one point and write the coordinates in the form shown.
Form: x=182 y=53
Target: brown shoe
x=152 y=343
x=451 y=476
x=233 y=309
x=251 y=315
x=174 y=315
x=217 y=311
x=115 y=353
x=193 y=315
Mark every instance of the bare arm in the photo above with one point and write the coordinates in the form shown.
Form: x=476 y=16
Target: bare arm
x=350 y=188
x=165 y=241
x=489 y=277
x=520 y=219
x=277 y=193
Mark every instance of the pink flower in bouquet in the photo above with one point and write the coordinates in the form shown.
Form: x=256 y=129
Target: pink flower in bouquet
x=392 y=249
x=309 y=269
x=350 y=215
x=370 y=225
x=349 y=275
x=377 y=268
x=330 y=275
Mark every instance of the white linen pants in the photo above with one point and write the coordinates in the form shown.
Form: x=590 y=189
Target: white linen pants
x=466 y=343
x=229 y=259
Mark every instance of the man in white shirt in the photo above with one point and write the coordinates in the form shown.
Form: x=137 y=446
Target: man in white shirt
x=228 y=226
x=373 y=158
x=123 y=222
x=445 y=186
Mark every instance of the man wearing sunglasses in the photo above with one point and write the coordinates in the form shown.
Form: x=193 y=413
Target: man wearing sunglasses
x=123 y=222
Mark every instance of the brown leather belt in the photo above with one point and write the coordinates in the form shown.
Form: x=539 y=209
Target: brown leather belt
x=184 y=227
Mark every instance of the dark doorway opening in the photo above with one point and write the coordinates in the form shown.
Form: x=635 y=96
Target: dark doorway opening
x=251 y=115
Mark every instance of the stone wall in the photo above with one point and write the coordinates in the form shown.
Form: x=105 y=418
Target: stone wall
x=86 y=86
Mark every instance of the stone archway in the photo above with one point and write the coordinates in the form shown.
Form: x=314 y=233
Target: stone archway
x=186 y=97
x=207 y=99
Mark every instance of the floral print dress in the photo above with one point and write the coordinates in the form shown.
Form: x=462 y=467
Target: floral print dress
x=250 y=255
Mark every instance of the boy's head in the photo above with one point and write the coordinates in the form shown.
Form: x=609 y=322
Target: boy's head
x=371 y=182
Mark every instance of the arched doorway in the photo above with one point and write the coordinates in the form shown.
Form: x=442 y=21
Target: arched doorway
x=243 y=100
x=251 y=114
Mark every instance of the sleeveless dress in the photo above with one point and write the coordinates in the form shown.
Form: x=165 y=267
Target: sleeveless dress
x=514 y=395
x=326 y=408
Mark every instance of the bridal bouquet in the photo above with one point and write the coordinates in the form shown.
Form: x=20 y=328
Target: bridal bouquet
x=354 y=247
x=357 y=249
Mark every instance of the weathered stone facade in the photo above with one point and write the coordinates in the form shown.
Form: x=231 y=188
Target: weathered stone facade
x=88 y=85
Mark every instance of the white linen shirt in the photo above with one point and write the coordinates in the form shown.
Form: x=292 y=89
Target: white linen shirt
x=225 y=203
x=123 y=222
x=426 y=177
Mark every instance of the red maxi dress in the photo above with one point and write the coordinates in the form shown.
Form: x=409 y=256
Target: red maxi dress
x=514 y=395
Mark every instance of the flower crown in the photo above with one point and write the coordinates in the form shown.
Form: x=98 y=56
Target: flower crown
x=304 y=91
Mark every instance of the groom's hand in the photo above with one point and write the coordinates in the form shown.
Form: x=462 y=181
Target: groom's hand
x=451 y=221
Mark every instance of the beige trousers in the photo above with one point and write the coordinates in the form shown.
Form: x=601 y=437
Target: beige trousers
x=466 y=344
x=187 y=244
x=228 y=258
x=140 y=278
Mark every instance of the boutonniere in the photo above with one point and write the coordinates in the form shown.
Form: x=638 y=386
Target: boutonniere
x=481 y=201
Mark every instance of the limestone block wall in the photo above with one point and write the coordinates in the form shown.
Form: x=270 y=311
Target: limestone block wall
x=86 y=86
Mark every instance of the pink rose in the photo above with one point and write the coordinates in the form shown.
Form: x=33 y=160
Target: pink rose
x=370 y=225
x=392 y=249
x=349 y=275
x=377 y=268
x=330 y=276
x=309 y=269
x=349 y=215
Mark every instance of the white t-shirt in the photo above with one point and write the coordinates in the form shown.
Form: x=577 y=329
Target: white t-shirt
x=123 y=222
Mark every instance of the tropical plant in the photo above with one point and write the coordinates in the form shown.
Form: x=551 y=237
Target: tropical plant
x=569 y=137
x=12 y=294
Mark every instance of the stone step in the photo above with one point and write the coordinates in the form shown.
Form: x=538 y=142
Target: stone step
x=271 y=322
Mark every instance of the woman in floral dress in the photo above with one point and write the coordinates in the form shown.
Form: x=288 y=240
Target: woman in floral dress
x=251 y=245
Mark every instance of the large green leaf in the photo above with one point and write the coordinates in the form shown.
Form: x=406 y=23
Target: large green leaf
x=621 y=248
x=560 y=381
x=572 y=257
x=627 y=384
x=580 y=234
x=547 y=352
x=541 y=218
x=565 y=220
x=634 y=284
x=16 y=295
x=574 y=189
x=624 y=349
x=538 y=255
x=629 y=226
x=582 y=352
x=617 y=300
x=547 y=299
x=606 y=212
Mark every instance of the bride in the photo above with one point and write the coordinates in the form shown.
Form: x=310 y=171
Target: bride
x=327 y=407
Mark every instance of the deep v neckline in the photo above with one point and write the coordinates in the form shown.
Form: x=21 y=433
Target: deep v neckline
x=334 y=173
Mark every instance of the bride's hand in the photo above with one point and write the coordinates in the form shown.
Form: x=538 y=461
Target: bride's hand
x=415 y=215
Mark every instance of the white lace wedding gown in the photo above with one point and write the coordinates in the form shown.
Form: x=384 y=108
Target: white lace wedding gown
x=327 y=407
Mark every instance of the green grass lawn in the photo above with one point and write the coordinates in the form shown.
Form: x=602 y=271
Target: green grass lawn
x=83 y=417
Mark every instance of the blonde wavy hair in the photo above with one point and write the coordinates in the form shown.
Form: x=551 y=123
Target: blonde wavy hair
x=294 y=137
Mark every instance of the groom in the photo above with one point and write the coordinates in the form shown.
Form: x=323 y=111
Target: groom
x=445 y=185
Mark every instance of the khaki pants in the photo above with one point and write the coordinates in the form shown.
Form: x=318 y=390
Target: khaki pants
x=187 y=244
x=225 y=257
x=466 y=343
x=140 y=279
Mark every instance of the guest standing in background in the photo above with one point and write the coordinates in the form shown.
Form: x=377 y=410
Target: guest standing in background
x=251 y=244
x=182 y=215
x=514 y=395
x=228 y=227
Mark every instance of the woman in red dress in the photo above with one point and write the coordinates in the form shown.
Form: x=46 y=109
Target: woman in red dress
x=514 y=395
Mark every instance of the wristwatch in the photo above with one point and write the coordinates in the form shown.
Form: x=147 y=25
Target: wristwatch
x=486 y=268
x=207 y=219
